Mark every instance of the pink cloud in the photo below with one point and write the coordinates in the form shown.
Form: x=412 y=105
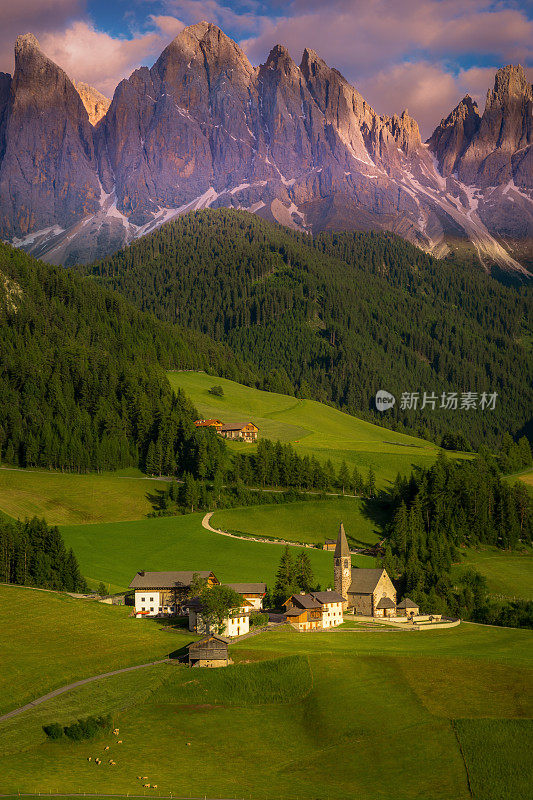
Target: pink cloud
x=381 y=47
x=33 y=16
x=100 y=59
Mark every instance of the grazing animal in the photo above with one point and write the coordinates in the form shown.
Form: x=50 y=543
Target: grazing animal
x=188 y=744
x=154 y=786
x=106 y=747
x=144 y=778
x=89 y=759
x=119 y=741
x=147 y=786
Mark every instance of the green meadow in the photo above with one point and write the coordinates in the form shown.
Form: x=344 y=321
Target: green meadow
x=312 y=428
x=114 y=552
x=67 y=499
x=348 y=713
x=50 y=639
x=310 y=521
x=508 y=574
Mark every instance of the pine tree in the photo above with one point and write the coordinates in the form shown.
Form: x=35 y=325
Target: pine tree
x=285 y=583
x=303 y=572
x=370 y=488
x=343 y=481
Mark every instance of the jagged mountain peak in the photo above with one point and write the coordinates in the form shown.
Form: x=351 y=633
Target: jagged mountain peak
x=510 y=82
x=280 y=58
x=297 y=144
x=25 y=42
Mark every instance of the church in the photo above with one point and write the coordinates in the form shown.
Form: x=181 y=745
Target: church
x=369 y=592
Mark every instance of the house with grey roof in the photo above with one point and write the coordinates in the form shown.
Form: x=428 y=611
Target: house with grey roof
x=254 y=593
x=314 y=610
x=162 y=593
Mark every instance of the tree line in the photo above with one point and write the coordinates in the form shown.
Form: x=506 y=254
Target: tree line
x=441 y=510
x=33 y=553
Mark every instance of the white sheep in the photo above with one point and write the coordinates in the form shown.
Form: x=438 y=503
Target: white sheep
x=147 y=786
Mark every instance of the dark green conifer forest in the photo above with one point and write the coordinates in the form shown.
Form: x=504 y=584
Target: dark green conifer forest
x=82 y=385
x=340 y=315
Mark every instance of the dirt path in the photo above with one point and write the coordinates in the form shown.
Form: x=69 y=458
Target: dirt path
x=75 y=685
x=207 y=525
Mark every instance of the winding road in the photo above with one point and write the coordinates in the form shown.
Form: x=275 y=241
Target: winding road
x=75 y=685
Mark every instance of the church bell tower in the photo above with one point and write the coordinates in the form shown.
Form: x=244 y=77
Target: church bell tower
x=342 y=569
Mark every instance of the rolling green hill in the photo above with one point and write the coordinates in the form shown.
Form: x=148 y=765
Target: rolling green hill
x=310 y=521
x=509 y=575
x=313 y=428
x=82 y=386
x=114 y=552
x=67 y=499
x=317 y=708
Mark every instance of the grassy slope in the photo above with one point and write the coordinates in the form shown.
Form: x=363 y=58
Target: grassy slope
x=351 y=693
x=114 y=552
x=508 y=574
x=311 y=427
x=65 y=499
x=497 y=752
x=309 y=521
x=50 y=639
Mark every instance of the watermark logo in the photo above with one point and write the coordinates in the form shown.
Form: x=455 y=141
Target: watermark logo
x=384 y=400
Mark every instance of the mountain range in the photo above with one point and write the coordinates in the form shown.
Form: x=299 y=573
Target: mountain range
x=80 y=176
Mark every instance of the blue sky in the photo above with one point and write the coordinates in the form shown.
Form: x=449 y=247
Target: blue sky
x=420 y=54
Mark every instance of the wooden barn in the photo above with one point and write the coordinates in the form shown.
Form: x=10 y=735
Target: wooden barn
x=211 y=651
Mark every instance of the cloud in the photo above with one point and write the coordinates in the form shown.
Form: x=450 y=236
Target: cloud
x=33 y=16
x=423 y=88
x=244 y=17
x=407 y=53
x=88 y=54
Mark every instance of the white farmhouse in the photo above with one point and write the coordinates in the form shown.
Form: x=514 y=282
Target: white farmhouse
x=315 y=610
x=237 y=623
x=162 y=593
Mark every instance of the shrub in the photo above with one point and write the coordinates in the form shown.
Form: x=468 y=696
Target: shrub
x=85 y=728
x=216 y=390
x=53 y=731
x=257 y=620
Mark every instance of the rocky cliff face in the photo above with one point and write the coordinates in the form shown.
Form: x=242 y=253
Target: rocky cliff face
x=296 y=144
x=48 y=172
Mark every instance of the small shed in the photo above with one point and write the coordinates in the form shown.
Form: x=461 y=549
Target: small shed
x=211 y=651
x=386 y=608
x=408 y=608
x=329 y=544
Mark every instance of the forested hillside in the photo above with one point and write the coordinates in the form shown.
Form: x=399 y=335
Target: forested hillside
x=338 y=316
x=82 y=385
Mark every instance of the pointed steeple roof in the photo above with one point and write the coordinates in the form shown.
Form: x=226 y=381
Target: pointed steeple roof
x=342 y=550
